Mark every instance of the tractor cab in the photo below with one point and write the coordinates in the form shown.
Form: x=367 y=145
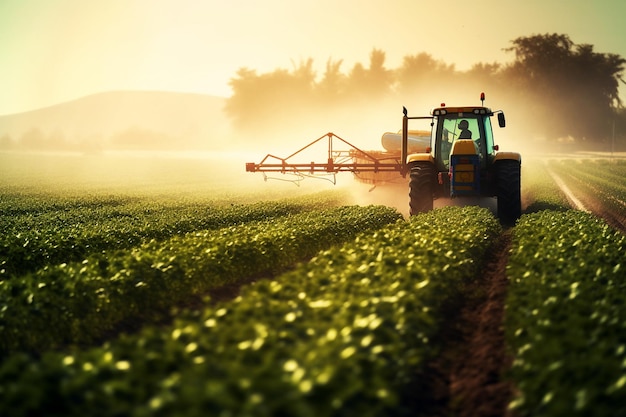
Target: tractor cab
x=454 y=124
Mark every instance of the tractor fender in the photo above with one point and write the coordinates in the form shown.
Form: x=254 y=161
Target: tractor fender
x=501 y=156
x=420 y=157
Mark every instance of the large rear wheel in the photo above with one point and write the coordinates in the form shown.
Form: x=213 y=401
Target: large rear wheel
x=421 y=188
x=508 y=191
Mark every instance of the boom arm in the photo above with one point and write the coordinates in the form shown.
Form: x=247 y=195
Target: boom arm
x=351 y=160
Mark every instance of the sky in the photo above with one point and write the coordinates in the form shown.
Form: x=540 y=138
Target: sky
x=52 y=51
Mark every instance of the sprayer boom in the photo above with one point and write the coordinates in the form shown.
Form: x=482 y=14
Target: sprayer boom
x=352 y=160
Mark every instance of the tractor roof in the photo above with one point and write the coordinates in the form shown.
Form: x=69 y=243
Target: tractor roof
x=463 y=109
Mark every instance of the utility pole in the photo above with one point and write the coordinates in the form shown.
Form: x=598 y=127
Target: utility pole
x=613 y=139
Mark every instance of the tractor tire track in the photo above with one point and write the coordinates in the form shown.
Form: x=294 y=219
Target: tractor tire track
x=477 y=388
x=470 y=370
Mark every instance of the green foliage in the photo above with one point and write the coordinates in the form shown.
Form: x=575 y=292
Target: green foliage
x=566 y=315
x=347 y=333
x=540 y=192
x=597 y=182
x=36 y=231
x=79 y=302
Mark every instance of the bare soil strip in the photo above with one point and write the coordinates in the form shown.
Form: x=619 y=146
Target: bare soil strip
x=476 y=357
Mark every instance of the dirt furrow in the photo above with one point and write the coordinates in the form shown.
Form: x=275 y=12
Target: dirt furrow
x=476 y=352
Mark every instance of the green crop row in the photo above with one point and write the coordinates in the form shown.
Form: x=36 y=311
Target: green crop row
x=566 y=316
x=539 y=191
x=611 y=172
x=36 y=233
x=348 y=333
x=596 y=181
x=80 y=302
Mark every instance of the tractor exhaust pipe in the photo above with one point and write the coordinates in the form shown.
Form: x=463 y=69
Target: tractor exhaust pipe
x=405 y=136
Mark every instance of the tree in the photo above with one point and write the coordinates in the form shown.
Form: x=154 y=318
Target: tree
x=556 y=87
x=243 y=100
x=258 y=100
x=378 y=78
x=332 y=86
x=568 y=89
x=370 y=83
x=419 y=72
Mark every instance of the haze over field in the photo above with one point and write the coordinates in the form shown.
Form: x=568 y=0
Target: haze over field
x=122 y=120
x=59 y=50
x=140 y=74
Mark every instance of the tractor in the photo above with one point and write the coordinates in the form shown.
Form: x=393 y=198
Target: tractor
x=458 y=158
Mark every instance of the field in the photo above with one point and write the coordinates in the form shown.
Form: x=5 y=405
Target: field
x=182 y=286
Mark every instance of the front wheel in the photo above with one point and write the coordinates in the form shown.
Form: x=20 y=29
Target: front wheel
x=508 y=191
x=421 y=188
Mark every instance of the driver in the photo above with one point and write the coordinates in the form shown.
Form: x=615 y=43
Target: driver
x=465 y=132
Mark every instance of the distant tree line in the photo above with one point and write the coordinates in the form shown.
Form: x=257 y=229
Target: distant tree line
x=557 y=88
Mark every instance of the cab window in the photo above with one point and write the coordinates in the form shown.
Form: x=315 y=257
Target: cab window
x=488 y=135
x=452 y=128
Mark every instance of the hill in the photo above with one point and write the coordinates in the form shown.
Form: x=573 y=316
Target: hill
x=121 y=120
